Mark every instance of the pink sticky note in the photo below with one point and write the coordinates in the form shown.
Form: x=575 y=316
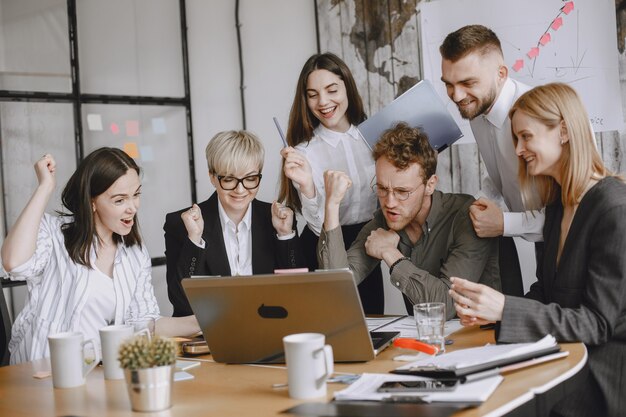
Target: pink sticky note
x=545 y=39
x=131 y=149
x=569 y=6
x=519 y=64
x=557 y=23
x=115 y=129
x=132 y=128
x=533 y=52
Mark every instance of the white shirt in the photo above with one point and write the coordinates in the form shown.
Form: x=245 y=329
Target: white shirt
x=345 y=152
x=100 y=306
x=493 y=135
x=238 y=241
x=58 y=290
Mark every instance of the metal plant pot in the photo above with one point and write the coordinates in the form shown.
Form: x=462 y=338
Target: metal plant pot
x=150 y=389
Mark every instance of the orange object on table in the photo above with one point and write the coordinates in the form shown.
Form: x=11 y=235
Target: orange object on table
x=407 y=343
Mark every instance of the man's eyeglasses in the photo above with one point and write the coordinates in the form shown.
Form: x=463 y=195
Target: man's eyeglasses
x=229 y=183
x=398 y=193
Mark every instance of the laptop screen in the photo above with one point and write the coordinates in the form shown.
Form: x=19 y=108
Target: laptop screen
x=244 y=318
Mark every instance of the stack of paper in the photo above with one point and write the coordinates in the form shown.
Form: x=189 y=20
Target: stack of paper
x=365 y=389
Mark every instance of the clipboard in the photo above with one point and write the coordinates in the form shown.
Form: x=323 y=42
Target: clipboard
x=463 y=372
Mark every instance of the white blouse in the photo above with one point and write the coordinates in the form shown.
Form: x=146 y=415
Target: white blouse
x=58 y=290
x=345 y=152
x=100 y=307
x=238 y=241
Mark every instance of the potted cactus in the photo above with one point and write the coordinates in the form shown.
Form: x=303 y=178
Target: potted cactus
x=149 y=369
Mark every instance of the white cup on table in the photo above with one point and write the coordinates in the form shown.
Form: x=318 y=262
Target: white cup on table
x=309 y=364
x=67 y=359
x=111 y=337
x=145 y=325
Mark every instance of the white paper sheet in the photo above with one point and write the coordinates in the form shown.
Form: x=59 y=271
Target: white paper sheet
x=407 y=327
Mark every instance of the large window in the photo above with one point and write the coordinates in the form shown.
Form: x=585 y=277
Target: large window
x=77 y=75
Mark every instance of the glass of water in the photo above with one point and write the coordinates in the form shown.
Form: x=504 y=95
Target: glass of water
x=430 y=319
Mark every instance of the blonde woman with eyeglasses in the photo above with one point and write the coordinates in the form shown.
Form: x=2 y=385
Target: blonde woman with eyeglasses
x=231 y=233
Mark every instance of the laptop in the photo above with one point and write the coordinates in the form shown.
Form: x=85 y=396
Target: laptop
x=245 y=318
x=419 y=106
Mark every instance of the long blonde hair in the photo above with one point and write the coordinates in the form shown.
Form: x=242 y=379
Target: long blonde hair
x=552 y=104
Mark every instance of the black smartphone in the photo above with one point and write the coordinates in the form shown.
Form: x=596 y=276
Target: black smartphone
x=417 y=386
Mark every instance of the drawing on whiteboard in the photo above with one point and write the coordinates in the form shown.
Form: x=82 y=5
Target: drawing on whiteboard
x=544 y=39
x=570 y=41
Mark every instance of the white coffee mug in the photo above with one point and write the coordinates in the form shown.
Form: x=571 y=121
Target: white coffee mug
x=144 y=325
x=67 y=358
x=309 y=364
x=111 y=337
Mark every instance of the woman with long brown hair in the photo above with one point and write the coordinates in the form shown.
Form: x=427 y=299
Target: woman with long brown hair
x=322 y=135
x=86 y=268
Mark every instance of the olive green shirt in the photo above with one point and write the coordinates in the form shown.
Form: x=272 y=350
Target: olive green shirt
x=448 y=247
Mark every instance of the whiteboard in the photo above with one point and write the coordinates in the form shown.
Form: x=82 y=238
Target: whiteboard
x=543 y=41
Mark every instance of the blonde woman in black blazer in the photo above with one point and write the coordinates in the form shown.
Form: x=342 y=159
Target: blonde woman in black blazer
x=580 y=294
x=201 y=240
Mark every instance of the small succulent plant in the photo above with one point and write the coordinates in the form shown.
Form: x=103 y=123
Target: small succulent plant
x=140 y=353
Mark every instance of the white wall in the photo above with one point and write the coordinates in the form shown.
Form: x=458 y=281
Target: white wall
x=277 y=38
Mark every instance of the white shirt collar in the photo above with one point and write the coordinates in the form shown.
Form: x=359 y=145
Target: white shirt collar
x=226 y=221
x=500 y=110
x=333 y=138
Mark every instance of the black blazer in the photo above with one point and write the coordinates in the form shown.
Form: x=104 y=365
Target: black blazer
x=583 y=298
x=185 y=259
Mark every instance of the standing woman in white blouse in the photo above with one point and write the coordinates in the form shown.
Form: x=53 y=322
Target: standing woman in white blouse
x=322 y=135
x=87 y=267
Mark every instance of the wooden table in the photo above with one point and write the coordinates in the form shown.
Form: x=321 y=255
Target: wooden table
x=242 y=390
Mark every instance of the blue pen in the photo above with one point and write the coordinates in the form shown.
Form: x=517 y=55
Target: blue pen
x=280 y=132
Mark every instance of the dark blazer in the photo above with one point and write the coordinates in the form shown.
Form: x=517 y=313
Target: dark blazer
x=185 y=259
x=583 y=298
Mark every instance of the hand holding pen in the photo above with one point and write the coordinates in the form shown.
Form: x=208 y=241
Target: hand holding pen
x=280 y=132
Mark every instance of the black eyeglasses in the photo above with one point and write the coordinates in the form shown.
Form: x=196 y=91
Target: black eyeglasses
x=229 y=183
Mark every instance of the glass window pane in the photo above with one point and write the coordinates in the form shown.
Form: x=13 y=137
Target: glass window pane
x=34 y=46
x=156 y=136
x=130 y=47
x=29 y=130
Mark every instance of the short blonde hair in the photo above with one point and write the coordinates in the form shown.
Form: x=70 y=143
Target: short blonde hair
x=552 y=104
x=231 y=150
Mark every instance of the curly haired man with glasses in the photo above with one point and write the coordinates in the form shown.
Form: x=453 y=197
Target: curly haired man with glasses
x=423 y=235
x=231 y=233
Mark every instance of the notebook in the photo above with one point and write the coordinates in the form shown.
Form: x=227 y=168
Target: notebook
x=244 y=318
x=419 y=106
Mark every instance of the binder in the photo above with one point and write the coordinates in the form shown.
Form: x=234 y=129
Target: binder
x=463 y=363
x=420 y=106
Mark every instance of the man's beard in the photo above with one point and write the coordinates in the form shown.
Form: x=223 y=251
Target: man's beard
x=485 y=104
